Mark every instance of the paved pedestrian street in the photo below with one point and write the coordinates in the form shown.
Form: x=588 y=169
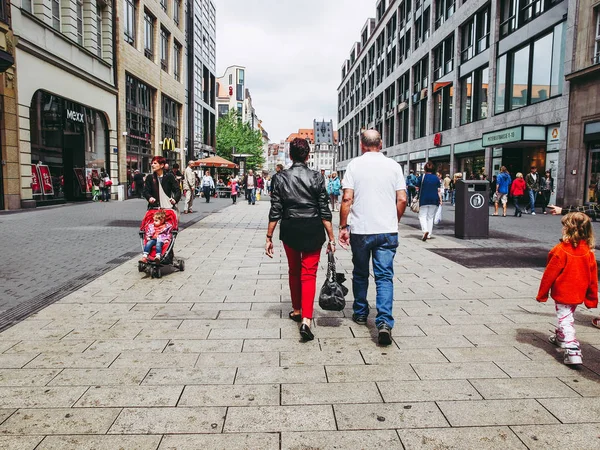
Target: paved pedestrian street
x=208 y=359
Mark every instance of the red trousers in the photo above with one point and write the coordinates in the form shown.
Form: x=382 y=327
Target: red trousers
x=303 y=278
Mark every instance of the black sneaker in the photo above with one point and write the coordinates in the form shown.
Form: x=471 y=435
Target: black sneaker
x=361 y=320
x=385 y=335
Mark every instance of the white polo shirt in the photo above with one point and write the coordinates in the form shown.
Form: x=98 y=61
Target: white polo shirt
x=375 y=178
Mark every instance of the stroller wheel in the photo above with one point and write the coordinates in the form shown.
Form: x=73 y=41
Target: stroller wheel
x=140 y=267
x=181 y=265
x=153 y=273
x=158 y=273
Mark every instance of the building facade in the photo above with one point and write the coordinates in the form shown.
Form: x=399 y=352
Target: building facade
x=151 y=83
x=471 y=85
x=324 y=154
x=66 y=98
x=583 y=140
x=231 y=92
x=200 y=60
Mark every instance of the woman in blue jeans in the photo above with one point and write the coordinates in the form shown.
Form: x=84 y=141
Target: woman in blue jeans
x=430 y=197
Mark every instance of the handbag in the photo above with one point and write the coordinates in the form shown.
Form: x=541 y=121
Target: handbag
x=331 y=297
x=414 y=203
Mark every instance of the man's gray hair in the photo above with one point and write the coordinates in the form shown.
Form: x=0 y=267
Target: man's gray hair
x=370 y=138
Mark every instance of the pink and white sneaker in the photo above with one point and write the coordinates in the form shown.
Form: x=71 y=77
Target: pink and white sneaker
x=573 y=356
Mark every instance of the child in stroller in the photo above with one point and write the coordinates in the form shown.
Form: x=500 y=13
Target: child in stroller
x=158 y=233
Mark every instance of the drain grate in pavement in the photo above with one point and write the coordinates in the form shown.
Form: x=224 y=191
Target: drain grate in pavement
x=502 y=257
x=39 y=302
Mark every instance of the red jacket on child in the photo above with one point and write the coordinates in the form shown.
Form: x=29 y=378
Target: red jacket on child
x=517 y=188
x=571 y=276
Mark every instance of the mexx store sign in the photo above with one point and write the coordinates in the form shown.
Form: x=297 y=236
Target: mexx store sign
x=75 y=116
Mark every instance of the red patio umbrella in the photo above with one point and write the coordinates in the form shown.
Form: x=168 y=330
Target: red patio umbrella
x=215 y=161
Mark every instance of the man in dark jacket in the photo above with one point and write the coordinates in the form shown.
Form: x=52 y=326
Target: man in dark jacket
x=169 y=184
x=278 y=170
x=138 y=179
x=533 y=184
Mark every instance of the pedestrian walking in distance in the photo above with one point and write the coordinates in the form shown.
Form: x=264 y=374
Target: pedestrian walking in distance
x=299 y=199
x=189 y=186
x=250 y=183
x=503 y=182
x=571 y=278
x=533 y=184
x=208 y=184
x=430 y=197
x=517 y=190
x=373 y=203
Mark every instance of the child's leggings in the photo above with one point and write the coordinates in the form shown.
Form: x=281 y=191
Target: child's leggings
x=565 y=331
x=151 y=243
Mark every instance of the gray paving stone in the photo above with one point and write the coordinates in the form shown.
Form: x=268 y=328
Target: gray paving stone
x=388 y=416
x=256 y=359
x=432 y=342
x=559 y=437
x=59 y=421
x=329 y=393
x=232 y=324
x=458 y=371
x=100 y=443
x=280 y=345
x=20 y=442
x=523 y=388
x=26 y=377
x=476 y=319
x=238 y=395
x=39 y=397
x=73 y=360
x=262 y=375
x=586 y=387
x=490 y=438
x=349 y=374
x=129 y=396
x=208 y=376
x=248 y=441
x=277 y=418
x=5 y=413
x=391 y=355
x=49 y=346
x=222 y=334
x=464 y=355
x=250 y=315
x=496 y=412
x=331 y=440
x=155 y=360
x=532 y=369
x=169 y=421
x=204 y=346
x=418 y=391
x=99 y=377
x=123 y=345
x=332 y=358
x=16 y=360
x=573 y=410
x=456 y=330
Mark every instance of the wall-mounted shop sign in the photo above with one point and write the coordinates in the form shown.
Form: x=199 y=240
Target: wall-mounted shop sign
x=439 y=151
x=468 y=147
x=74 y=116
x=591 y=132
x=515 y=134
x=417 y=155
x=553 y=139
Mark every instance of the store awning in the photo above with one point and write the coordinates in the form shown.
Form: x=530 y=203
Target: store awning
x=215 y=161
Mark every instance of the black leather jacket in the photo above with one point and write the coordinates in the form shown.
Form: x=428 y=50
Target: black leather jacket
x=299 y=193
x=170 y=186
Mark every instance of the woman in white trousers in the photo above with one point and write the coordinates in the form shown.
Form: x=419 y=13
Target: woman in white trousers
x=430 y=197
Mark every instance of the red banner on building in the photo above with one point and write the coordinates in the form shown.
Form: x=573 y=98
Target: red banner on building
x=36 y=187
x=46 y=179
x=80 y=178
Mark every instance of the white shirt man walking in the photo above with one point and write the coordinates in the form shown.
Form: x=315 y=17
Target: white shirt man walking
x=373 y=203
x=189 y=186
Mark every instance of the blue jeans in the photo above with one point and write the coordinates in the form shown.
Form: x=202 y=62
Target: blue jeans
x=382 y=247
x=151 y=243
x=532 y=197
x=251 y=195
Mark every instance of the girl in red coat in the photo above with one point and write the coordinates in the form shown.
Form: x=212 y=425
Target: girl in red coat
x=517 y=190
x=571 y=277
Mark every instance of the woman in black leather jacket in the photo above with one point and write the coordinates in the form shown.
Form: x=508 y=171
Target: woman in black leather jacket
x=299 y=199
x=168 y=182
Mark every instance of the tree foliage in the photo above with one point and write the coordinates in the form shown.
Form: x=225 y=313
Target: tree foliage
x=234 y=134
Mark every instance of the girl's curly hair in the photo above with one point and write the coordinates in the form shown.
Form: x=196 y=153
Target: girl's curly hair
x=160 y=215
x=578 y=227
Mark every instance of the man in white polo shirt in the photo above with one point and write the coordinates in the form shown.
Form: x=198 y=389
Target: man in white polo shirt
x=375 y=199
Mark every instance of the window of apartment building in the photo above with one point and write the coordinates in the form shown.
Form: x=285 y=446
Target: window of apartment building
x=239 y=91
x=391 y=28
x=516 y=13
x=403 y=126
x=176 y=11
x=79 y=11
x=163 y=5
x=404 y=13
x=149 y=22
x=420 y=75
x=170 y=119
x=475 y=34
x=139 y=124
x=596 y=57
x=177 y=61
x=26 y=5
x=99 y=29
x=56 y=14
x=404 y=88
x=421 y=82
x=422 y=28
x=240 y=110
x=442 y=106
x=164 y=49
x=444 y=9
x=443 y=58
x=474 y=96
x=129 y=21
x=381 y=10
x=531 y=74
x=391 y=61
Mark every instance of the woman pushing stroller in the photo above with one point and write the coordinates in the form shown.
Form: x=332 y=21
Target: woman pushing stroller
x=161 y=189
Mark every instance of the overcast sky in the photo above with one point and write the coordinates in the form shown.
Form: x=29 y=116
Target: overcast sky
x=293 y=52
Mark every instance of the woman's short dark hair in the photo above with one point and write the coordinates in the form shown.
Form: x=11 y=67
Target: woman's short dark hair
x=299 y=150
x=429 y=167
x=159 y=159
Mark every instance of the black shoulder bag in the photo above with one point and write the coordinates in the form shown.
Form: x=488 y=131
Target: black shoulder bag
x=332 y=293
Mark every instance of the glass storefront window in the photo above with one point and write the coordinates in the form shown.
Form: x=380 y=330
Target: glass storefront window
x=500 y=84
x=520 y=78
x=558 y=57
x=593 y=174
x=540 y=75
x=466 y=97
x=139 y=125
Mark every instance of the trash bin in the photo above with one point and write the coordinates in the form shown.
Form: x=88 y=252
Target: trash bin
x=121 y=192
x=472 y=214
